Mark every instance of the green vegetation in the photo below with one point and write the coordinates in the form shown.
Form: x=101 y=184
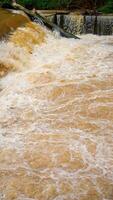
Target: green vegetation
x=41 y=4
x=4 y=1
x=45 y=4
x=108 y=8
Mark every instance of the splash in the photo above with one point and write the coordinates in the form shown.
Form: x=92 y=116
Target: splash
x=56 y=118
x=28 y=36
x=14 y=53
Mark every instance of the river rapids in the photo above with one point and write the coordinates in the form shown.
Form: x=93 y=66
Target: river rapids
x=56 y=116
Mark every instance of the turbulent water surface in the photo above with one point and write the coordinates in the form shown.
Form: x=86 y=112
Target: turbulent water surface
x=56 y=116
x=10 y=20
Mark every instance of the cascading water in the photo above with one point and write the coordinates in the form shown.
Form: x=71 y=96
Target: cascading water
x=9 y=21
x=56 y=116
x=71 y=23
x=101 y=25
x=105 y=25
x=79 y=24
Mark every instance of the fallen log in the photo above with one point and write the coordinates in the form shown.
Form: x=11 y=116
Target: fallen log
x=44 y=21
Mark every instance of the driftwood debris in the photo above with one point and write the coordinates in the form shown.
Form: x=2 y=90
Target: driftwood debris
x=43 y=20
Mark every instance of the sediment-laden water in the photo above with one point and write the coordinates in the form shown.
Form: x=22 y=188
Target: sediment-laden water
x=10 y=20
x=56 y=116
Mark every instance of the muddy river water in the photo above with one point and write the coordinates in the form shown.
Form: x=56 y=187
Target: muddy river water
x=56 y=116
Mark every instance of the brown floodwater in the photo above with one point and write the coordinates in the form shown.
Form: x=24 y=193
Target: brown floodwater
x=10 y=20
x=56 y=116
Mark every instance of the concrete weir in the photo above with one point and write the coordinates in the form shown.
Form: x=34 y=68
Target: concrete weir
x=80 y=24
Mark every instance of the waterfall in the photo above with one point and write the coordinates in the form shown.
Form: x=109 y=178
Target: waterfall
x=89 y=24
x=71 y=23
x=79 y=24
x=105 y=25
x=101 y=25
